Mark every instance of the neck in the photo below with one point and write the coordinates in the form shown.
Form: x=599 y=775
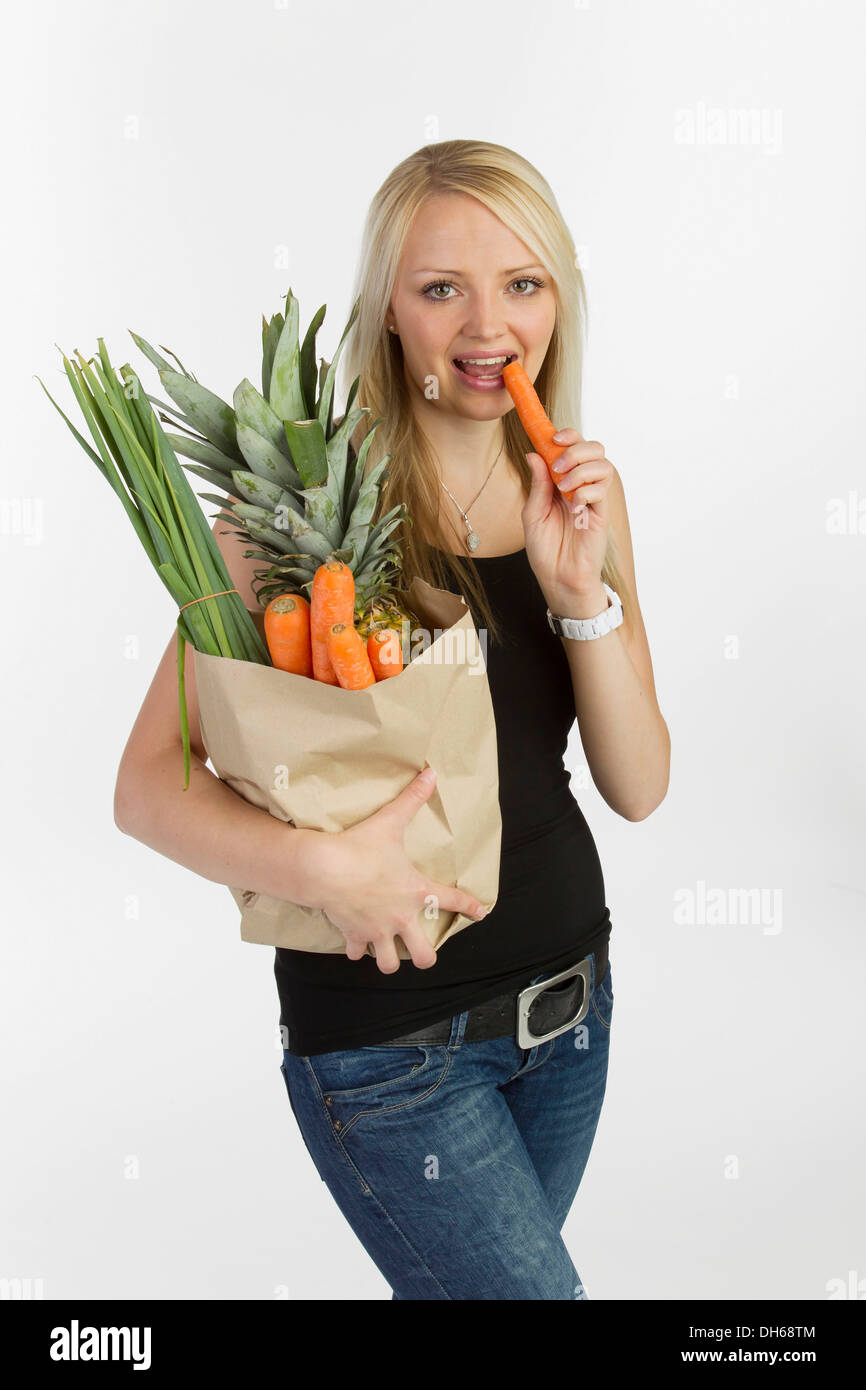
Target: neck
x=465 y=450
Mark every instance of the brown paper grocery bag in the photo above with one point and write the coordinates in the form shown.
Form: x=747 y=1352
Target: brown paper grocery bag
x=320 y=757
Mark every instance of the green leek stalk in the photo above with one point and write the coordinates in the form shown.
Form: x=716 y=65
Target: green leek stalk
x=135 y=457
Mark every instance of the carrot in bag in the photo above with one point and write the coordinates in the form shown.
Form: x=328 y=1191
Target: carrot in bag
x=287 y=632
x=385 y=653
x=534 y=418
x=332 y=601
x=349 y=658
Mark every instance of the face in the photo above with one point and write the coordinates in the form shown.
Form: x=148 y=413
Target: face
x=468 y=287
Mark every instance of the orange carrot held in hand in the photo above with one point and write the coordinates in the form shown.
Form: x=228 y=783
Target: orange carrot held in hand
x=533 y=418
x=287 y=632
x=385 y=653
x=349 y=657
x=332 y=601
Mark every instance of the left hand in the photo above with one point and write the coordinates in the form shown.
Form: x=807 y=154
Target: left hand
x=566 y=550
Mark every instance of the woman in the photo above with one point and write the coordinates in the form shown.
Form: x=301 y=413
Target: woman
x=450 y=1102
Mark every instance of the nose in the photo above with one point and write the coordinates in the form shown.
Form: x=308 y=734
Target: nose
x=485 y=317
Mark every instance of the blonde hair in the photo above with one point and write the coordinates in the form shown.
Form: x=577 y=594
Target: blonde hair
x=516 y=193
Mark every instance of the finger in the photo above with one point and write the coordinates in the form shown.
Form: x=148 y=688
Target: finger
x=386 y=954
x=355 y=949
x=584 y=451
x=567 y=435
x=592 y=472
x=593 y=514
x=537 y=505
x=589 y=492
x=420 y=948
x=407 y=802
x=449 y=898
x=540 y=476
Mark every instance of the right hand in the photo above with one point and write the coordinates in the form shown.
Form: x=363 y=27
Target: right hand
x=373 y=892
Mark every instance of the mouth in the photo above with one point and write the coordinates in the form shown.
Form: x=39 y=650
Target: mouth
x=483 y=371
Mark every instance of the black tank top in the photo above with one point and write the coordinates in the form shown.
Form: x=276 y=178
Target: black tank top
x=551 y=906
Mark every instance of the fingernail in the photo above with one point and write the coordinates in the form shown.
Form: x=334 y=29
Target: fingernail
x=481 y=912
x=428 y=775
x=559 y=437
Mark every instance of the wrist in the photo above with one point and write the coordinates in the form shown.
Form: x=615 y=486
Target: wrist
x=303 y=873
x=572 y=602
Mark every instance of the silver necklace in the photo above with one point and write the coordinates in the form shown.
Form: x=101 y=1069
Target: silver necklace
x=473 y=540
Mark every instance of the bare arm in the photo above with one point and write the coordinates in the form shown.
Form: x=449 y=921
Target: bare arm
x=624 y=736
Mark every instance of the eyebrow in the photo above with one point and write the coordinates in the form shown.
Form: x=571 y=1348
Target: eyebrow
x=512 y=271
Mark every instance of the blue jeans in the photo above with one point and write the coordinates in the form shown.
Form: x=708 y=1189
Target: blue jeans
x=456 y=1164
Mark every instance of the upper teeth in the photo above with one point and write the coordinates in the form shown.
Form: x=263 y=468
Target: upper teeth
x=483 y=361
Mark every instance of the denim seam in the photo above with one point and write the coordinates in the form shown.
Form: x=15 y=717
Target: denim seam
x=407 y=1242
x=329 y=1125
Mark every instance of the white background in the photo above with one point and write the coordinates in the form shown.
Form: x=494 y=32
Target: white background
x=164 y=160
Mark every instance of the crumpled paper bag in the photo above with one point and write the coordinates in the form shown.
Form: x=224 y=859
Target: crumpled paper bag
x=320 y=757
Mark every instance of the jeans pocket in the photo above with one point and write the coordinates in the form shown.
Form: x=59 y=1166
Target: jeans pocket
x=379 y=1070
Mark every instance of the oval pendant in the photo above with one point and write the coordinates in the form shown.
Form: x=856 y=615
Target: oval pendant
x=473 y=540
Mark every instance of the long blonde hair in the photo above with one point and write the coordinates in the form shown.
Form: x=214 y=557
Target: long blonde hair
x=516 y=193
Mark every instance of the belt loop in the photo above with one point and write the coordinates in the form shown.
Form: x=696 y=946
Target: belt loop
x=596 y=979
x=458 y=1028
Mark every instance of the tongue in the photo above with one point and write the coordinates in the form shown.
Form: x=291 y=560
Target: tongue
x=472 y=369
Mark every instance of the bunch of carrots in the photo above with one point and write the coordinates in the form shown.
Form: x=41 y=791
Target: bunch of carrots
x=319 y=638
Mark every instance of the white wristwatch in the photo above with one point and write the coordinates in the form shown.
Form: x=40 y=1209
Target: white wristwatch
x=584 y=629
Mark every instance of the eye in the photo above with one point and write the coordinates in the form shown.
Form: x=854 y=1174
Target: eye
x=436 y=285
x=446 y=285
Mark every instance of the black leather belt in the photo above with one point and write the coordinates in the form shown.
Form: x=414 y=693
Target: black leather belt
x=531 y=1013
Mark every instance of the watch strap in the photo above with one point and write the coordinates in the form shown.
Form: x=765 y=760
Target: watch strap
x=585 y=629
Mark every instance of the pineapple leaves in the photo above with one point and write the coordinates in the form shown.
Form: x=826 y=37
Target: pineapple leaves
x=260 y=491
x=326 y=402
x=308 y=363
x=357 y=477
x=337 y=451
x=353 y=391
x=364 y=508
x=270 y=337
x=253 y=410
x=323 y=515
x=306 y=439
x=286 y=396
x=303 y=496
x=161 y=363
x=203 y=453
x=264 y=459
x=210 y=415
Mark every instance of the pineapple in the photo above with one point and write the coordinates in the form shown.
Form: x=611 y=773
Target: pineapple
x=303 y=495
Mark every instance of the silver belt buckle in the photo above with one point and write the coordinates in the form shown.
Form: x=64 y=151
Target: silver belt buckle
x=526 y=998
